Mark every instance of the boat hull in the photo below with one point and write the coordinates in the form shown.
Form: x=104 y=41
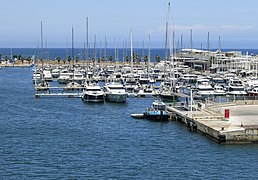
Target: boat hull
x=118 y=98
x=156 y=115
x=93 y=98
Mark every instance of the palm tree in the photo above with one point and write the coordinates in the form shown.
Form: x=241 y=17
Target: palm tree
x=42 y=62
x=29 y=60
x=69 y=59
x=15 y=57
x=76 y=59
x=22 y=59
x=103 y=59
x=6 y=59
x=157 y=58
x=58 y=59
x=138 y=58
x=145 y=59
x=110 y=58
x=19 y=57
x=127 y=59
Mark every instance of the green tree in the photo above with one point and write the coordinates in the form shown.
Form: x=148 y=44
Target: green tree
x=145 y=59
x=157 y=58
x=69 y=59
x=19 y=57
x=134 y=57
x=76 y=59
x=138 y=58
x=6 y=59
x=15 y=56
x=29 y=60
x=127 y=59
x=58 y=59
x=42 y=62
x=22 y=59
x=110 y=58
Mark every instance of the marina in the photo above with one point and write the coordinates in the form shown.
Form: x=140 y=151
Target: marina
x=44 y=128
x=128 y=90
x=190 y=89
x=186 y=96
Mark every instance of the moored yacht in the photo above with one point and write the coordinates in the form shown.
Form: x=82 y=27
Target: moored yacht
x=253 y=92
x=205 y=90
x=115 y=92
x=219 y=90
x=235 y=87
x=93 y=93
x=64 y=77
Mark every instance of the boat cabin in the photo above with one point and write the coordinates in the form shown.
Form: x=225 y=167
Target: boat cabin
x=158 y=106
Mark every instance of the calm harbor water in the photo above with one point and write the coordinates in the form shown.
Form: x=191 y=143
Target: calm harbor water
x=54 y=138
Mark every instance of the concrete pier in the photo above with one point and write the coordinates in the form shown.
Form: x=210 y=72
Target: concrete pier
x=241 y=126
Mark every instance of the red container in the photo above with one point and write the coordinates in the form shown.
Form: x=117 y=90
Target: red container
x=226 y=114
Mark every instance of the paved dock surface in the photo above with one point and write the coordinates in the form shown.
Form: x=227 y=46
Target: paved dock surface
x=240 y=127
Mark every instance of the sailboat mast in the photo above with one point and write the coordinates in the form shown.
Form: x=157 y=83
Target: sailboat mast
x=131 y=39
x=148 y=65
x=41 y=38
x=105 y=52
x=87 y=39
x=208 y=44
x=191 y=40
x=72 y=45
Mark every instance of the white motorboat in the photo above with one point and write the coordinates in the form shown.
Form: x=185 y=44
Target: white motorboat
x=219 y=90
x=47 y=76
x=115 y=92
x=253 y=92
x=235 y=87
x=64 y=77
x=205 y=90
x=93 y=93
x=73 y=86
x=146 y=91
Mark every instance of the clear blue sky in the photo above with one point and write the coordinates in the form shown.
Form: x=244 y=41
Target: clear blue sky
x=234 y=20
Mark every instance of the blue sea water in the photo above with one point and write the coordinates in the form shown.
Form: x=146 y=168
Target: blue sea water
x=65 y=138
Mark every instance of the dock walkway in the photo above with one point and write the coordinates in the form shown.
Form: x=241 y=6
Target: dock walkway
x=240 y=127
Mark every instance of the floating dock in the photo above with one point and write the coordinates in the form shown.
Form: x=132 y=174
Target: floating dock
x=229 y=123
x=69 y=95
x=69 y=92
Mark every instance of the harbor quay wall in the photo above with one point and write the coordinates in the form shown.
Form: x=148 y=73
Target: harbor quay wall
x=242 y=136
x=209 y=131
x=216 y=126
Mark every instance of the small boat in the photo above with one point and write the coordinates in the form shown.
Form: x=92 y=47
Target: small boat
x=219 y=90
x=138 y=116
x=42 y=86
x=253 y=92
x=72 y=86
x=157 y=112
x=146 y=91
x=37 y=77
